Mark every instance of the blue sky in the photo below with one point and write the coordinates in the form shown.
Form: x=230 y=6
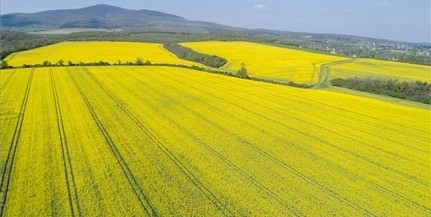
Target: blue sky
x=403 y=20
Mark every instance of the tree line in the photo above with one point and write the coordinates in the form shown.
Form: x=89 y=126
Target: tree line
x=189 y=54
x=241 y=73
x=414 y=91
x=346 y=46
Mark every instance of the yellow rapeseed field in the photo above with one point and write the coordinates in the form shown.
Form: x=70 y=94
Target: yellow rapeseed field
x=381 y=69
x=89 y=52
x=266 y=61
x=148 y=141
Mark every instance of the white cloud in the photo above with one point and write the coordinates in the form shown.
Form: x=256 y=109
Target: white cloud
x=383 y=3
x=260 y=7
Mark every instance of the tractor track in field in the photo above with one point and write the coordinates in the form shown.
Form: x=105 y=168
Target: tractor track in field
x=307 y=101
x=311 y=102
x=298 y=148
x=140 y=194
x=360 y=114
x=274 y=160
x=75 y=207
x=232 y=165
x=367 y=159
x=325 y=71
x=193 y=179
x=406 y=200
x=7 y=81
x=263 y=153
x=6 y=176
x=227 y=161
x=317 y=138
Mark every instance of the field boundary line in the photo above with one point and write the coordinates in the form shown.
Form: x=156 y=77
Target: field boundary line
x=142 y=197
x=68 y=169
x=6 y=177
x=165 y=150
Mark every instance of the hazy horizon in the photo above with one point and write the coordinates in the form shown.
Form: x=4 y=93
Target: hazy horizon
x=396 y=20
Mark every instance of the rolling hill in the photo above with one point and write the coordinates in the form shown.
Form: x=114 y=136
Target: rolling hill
x=108 y=17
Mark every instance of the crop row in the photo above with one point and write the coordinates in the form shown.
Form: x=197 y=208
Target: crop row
x=168 y=141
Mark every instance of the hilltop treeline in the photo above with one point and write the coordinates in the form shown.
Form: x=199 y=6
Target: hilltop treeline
x=189 y=54
x=414 y=91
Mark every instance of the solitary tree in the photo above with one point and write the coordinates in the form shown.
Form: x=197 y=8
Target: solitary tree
x=242 y=72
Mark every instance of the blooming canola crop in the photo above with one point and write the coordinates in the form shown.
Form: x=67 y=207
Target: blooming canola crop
x=381 y=69
x=95 y=51
x=265 y=61
x=147 y=141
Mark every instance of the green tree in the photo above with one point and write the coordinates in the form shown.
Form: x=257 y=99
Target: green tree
x=139 y=61
x=46 y=63
x=4 y=64
x=60 y=63
x=242 y=72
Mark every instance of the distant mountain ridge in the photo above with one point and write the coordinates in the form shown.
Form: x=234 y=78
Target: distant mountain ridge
x=108 y=17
